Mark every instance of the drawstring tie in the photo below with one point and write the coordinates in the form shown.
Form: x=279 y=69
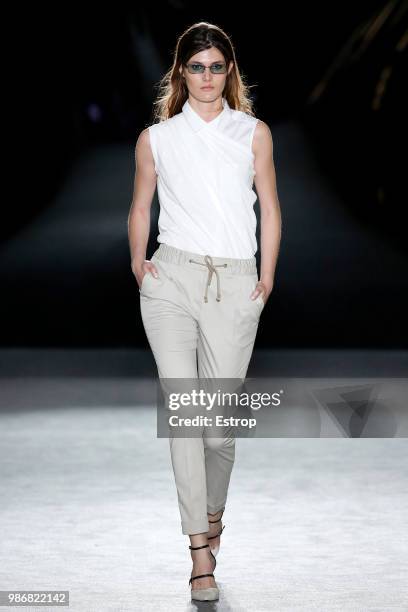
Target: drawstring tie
x=211 y=270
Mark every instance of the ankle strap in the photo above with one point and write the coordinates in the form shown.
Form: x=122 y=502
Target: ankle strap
x=218 y=520
x=200 y=576
x=197 y=547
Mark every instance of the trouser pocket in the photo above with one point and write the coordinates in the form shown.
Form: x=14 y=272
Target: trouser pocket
x=247 y=312
x=150 y=284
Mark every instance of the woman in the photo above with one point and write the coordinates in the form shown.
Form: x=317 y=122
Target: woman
x=204 y=152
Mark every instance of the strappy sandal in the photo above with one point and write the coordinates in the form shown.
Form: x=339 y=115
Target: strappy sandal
x=209 y=594
x=216 y=549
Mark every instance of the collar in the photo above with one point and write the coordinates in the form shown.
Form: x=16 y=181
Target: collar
x=196 y=122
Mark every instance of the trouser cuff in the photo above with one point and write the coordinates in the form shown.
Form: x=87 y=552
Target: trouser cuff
x=215 y=509
x=194 y=527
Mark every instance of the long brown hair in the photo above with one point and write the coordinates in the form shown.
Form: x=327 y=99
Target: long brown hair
x=173 y=91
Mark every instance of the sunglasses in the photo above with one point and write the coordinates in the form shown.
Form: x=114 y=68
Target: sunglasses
x=216 y=68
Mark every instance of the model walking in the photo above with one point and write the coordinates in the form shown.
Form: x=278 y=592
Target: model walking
x=200 y=296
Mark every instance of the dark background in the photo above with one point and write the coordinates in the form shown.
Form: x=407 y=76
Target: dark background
x=328 y=80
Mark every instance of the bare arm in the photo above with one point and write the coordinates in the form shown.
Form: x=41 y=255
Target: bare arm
x=139 y=215
x=271 y=221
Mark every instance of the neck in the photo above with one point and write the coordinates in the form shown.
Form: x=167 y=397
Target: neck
x=207 y=110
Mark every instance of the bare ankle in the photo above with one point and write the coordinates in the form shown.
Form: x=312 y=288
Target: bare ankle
x=216 y=515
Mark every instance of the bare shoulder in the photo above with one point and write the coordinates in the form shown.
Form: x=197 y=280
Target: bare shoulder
x=143 y=146
x=262 y=144
x=262 y=134
x=143 y=141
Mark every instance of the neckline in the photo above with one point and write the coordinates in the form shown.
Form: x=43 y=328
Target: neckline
x=198 y=120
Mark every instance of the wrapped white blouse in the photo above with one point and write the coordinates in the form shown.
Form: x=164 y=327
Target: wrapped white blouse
x=205 y=173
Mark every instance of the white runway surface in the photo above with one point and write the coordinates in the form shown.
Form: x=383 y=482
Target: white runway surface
x=89 y=505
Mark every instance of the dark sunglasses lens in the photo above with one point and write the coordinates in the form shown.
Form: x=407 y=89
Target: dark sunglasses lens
x=199 y=68
x=220 y=68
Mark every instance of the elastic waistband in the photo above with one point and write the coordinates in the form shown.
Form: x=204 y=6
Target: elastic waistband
x=171 y=254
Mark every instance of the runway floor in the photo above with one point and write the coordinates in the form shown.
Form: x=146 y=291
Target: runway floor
x=89 y=503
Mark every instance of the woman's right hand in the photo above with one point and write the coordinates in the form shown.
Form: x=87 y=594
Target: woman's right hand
x=147 y=267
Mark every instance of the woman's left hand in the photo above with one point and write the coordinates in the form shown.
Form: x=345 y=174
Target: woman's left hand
x=263 y=288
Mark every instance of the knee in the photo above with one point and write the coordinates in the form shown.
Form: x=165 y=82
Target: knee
x=219 y=444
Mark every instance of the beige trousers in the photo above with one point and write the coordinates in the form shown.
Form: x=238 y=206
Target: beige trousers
x=200 y=321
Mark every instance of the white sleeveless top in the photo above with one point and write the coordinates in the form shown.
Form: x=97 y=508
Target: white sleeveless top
x=204 y=184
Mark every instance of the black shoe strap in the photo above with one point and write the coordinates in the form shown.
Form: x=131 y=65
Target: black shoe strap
x=200 y=576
